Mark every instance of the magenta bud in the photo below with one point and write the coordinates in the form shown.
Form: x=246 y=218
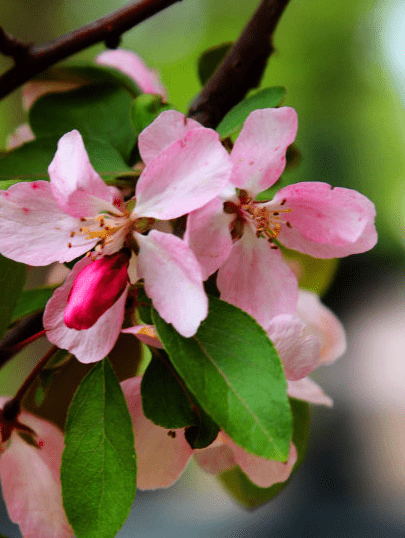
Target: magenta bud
x=96 y=288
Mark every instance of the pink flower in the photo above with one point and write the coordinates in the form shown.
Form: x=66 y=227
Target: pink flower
x=30 y=480
x=163 y=455
x=77 y=212
x=239 y=235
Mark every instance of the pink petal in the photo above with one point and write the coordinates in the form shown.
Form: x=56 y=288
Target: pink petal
x=168 y=127
x=132 y=65
x=161 y=458
x=208 y=236
x=215 y=458
x=173 y=280
x=259 y=151
x=299 y=353
x=35 y=89
x=88 y=345
x=326 y=222
x=323 y=323
x=307 y=390
x=30 y=482
x=34 y=229
x=185 y=176
x=77 y=187
x=262 y=472
x=146 y=334
x=19 y=136
x=256 y=279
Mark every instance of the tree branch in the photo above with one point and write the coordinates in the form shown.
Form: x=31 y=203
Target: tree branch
x=242 y=68
x=30 y=60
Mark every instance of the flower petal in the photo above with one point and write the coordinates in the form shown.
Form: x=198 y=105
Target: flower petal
x=322 y=322
x=326 y=222
x=161 y=457
x=146 y=334
x=256 y=279
x=35 y=89
x=306 y=389
x=208 y=236
x=77 y=187
x=19 y=136
x=299 y=353
x=132 y=65
x=30 y=482
x=185 y=176
x=34 y=229
x=88 y=345
x=173 y=280
x=259 y=151
x=262 y=472
x=215 y=458
x=168 y=127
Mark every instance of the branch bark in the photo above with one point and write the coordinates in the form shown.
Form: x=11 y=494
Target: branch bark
x=242 y=68
x=30 y=60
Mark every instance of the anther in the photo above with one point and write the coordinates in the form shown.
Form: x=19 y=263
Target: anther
x=288 y=224
x=72 y=234
x=274 y=247
x=284 y=201
x=69 y=245
x=83 y=219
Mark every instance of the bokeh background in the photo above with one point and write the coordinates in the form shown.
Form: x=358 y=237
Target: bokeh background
x=343 y=64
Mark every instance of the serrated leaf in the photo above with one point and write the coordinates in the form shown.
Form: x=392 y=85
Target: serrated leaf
x=266 y=98
x=98 y=471
x=210 y=60
x=145 y=109
x=30 y=161
x=250 y=495
x=234 y=372
x=99 y=110
x=12 y=279
x=31 y=301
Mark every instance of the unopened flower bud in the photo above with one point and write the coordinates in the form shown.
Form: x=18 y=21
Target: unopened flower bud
x=96 y=288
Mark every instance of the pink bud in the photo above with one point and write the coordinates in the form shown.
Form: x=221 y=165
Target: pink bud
x=96 y=288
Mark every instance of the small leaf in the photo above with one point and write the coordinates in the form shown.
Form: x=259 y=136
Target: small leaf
x=47 y=374
x=99 y=110
x=202 y=434
x=144 y=306
x=12 y=279
x=30 y=161
x=250 y=495
x=266 y=98
x=210 y=60
x=98 y=464
x=145 y=109
x=234 y=372
x=31 y=301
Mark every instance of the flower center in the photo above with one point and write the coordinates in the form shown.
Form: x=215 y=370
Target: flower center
x=267 y=222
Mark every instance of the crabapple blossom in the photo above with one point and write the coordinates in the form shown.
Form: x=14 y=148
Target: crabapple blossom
x=239 y=236
x=76 y=212
x=29 y=473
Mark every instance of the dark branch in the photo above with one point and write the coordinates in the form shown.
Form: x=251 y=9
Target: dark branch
x=37 y=58
x=242 y=68
x=23 y=330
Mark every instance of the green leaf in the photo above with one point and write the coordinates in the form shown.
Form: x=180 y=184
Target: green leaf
x=12 y=279
x=233 y=370
x=30 y=161
x=165 y=400
x=266 y=98
x=145 y=109
x=202 y=434
x=98 y=471
x=47 y=374
x=250 y=495
x=98 y=110
x=144 y=306
x=210 y=60
x=31 y=301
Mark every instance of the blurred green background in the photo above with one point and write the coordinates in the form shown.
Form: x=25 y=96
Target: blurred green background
x=343 y=64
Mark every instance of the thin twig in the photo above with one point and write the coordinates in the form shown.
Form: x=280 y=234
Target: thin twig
x=22 y=331
x=37 y=58
x=242 y=68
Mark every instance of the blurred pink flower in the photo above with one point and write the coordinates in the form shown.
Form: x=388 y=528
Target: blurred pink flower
x=29 y=474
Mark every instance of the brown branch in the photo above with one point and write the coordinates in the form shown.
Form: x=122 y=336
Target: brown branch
x=242 y=68
x=23 y=330
x=37 y=58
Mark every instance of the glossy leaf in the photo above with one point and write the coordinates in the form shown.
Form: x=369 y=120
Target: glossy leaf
x=99 y=110
x=31 y=301
x=266 y=98
x=145 y=109
x=30 y=162
x=98 y=464
x=12 y=279
x=250 y=495
x=234 y=372
x=210 y=60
